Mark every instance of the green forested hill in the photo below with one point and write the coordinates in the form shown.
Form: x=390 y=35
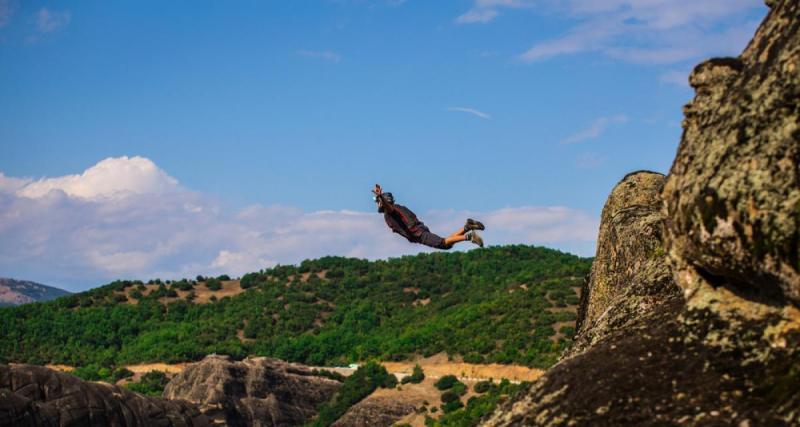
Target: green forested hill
x=499 y=304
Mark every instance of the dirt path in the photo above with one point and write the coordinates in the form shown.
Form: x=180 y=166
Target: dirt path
x=438 y=366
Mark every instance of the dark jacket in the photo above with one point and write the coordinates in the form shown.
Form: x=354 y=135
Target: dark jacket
x=403 y=222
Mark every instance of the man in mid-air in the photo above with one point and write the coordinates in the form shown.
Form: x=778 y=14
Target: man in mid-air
x=403 y=222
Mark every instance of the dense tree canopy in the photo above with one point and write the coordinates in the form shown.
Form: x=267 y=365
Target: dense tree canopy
x=498 y=304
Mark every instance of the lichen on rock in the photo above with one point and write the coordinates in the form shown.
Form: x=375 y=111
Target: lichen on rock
x=728 y=352
x=630 y=275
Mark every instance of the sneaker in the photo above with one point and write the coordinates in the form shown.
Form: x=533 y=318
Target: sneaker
x=473 y=225
x=475 y=238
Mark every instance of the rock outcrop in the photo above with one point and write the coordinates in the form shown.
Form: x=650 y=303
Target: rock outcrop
x=38 y=396
x=726 y=353
x=252 y=392
x=630 y=276
x=381 y=411
x=733 y=194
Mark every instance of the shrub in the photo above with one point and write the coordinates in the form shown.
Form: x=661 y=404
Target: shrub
x=183 y=285
x=121 y=373
x=248 y=280
x=416 y=377
x=452 y=406
x=355 y=387
x=482 y=386
x=446 y=382
x=449 y=396
x=91 y=372
x=459 y=388
x=224 y=277
x=213 y=284
x=151 y=384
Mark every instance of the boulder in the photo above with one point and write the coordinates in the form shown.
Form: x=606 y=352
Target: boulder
x=38 y=396
x=252 y=392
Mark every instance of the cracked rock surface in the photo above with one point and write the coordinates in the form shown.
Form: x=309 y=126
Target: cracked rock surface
x=706 y=329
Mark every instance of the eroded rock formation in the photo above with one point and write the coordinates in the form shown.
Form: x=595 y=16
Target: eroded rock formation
x=630 y=275
x=38 y=396
x=373 y=411
x=252 y=392
x=727 y=352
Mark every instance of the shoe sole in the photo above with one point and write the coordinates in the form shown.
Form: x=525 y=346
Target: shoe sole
x=479 y=239
x=475 y=225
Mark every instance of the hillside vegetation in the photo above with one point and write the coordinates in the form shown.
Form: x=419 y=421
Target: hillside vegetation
x=500 y=304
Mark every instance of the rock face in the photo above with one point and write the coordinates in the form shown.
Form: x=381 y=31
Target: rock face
x=253 y=392
x=630 y=275
x=38 y=396
x=374 y=412
x=733 y=194
x=727 y=352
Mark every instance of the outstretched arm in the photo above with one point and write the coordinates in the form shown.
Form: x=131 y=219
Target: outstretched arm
x=378 y=192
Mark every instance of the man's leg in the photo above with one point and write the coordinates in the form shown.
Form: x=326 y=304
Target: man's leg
x=458 y=236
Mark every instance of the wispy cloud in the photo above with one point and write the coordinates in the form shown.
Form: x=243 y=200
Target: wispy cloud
x=127 y=218
x=48 y=21
x=7 y=8
x=484 y=11
x=472 y=111
x=648 y=32
x=321 y=54
x=595 y=129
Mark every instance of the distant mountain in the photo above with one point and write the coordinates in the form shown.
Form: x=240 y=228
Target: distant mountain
x=18 y=292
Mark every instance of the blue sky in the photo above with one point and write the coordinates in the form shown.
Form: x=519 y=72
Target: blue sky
x=527 y=112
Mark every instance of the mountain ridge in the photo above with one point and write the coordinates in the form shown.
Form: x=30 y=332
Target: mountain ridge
x=15 y=292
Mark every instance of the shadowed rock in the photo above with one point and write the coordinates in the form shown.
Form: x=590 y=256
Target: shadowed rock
x=38 y=396
x=253 y=392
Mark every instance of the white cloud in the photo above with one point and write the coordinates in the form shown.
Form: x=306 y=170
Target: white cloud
x=595 y=129
x=112 y=177
x=638 y=31
x=84 y=231
x=472 y=111
x=12 y=185
x=321 y=54
x=48 y=21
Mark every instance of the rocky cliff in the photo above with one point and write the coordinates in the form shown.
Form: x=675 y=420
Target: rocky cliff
x=630 y=276
x=252 y=392
x=726 y=353
x=37 y=396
